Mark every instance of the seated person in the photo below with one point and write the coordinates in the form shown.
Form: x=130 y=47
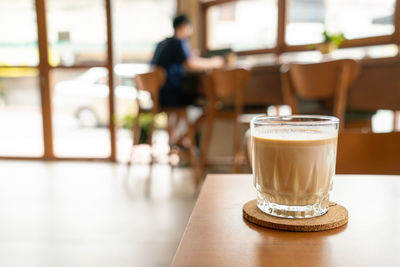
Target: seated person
x=174 y=55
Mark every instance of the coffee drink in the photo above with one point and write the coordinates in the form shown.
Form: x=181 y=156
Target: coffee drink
x=293 y=167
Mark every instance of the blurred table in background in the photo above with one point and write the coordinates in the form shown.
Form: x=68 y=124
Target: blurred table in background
x=377 y=87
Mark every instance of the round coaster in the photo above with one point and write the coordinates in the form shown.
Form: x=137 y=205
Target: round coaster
x=336 y=216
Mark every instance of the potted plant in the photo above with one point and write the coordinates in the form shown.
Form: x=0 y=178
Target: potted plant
x=145 y=120
x=331 y=42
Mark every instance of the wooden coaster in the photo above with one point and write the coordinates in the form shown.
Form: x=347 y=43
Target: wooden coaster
x=336 y=216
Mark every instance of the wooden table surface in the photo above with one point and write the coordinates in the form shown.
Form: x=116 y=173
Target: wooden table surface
x=217 y=234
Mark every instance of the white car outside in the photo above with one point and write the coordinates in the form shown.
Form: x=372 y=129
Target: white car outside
x=86 y=97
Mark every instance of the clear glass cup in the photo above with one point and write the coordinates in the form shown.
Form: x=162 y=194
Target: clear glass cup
x=294 y=159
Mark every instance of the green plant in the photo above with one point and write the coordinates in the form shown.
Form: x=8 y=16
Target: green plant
x=128 y=120
x=336 y=39
x=145 y=119
x=331 y=42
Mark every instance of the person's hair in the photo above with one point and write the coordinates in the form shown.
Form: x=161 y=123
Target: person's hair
x=180 y=20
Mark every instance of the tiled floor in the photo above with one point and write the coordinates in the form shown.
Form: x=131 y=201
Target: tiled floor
x=91 y=214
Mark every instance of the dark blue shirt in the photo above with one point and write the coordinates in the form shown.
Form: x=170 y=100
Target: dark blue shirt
x=170 y=54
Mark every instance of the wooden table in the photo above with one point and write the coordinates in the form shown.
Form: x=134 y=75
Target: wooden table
x=217 y=234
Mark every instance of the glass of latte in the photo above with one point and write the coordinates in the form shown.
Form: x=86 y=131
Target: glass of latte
x=294 y=160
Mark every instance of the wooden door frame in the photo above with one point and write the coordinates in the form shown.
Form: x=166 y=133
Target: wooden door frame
x=110 y=67
x=44 y=77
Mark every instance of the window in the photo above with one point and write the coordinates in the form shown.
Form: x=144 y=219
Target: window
x=18 y=33
x=139 y=26
x=80 y=113
x=242 y=25
x=307 y=19
x=77 y=32
x=20 y=113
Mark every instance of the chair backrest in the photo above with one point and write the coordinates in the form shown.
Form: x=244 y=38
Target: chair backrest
x=319 y=81
x=226 y=85
x=151 y=82
x=368 y=153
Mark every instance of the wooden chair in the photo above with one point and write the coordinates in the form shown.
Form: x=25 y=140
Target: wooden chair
x=152 y=83
x=327 y=81
x=224 y=92
x=368 y=153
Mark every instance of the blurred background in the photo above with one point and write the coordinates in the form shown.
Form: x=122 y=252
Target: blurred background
x=56 y=57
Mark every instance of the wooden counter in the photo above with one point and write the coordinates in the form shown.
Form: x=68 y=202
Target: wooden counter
x=378 y=86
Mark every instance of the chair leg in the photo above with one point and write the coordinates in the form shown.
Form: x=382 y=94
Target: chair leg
x=135 y=139
x=396 y=117
x=173 y=120
x=151 y=130
x=192 y=152
x=181 y=139
x=137 y=131
x=150 y=138
x=206 y=141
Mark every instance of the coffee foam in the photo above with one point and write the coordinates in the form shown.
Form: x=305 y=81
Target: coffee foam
x=291 y=133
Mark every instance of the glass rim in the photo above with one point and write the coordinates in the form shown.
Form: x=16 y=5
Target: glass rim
x=312 y=120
